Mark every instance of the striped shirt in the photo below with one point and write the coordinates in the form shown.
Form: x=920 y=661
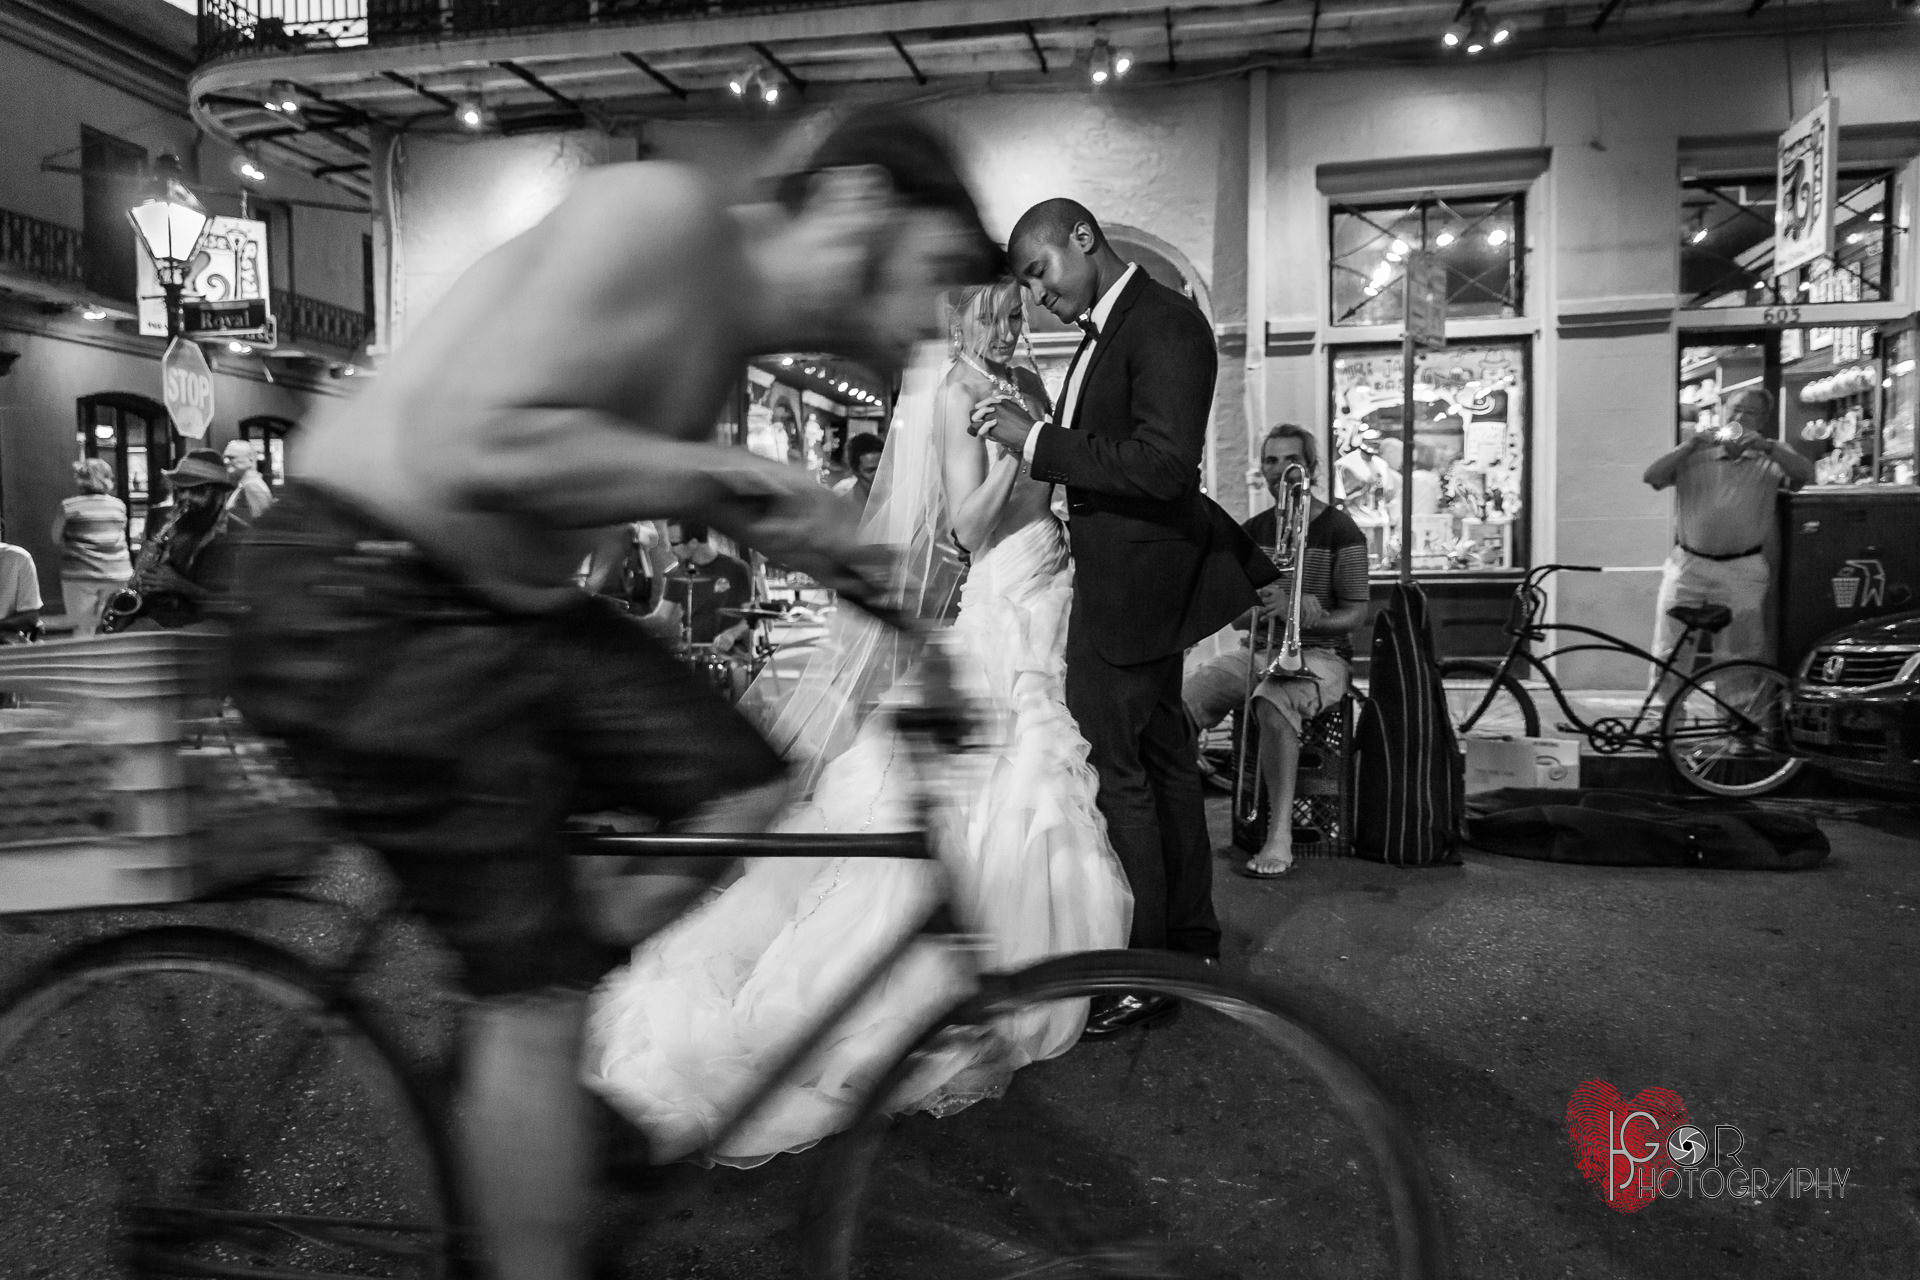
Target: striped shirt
x=93 y=542
x=1336 y=565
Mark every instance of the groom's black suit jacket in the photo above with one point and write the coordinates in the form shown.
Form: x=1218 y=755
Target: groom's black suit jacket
x=1157 y=564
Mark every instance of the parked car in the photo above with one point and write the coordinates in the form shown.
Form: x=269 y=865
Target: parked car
x=1856 y=701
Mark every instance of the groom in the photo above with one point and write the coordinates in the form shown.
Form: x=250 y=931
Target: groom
x=1157 y=565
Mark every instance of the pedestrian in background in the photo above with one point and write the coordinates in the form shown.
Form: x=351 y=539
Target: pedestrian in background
x=91 y=532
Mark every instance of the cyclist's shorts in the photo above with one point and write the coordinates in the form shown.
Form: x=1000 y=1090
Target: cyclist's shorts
x=457 y=737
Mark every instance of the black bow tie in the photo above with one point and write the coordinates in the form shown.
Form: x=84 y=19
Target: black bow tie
x=1088 y=327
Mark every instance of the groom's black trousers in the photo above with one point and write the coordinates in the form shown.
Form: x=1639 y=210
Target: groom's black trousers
x=1143 y=747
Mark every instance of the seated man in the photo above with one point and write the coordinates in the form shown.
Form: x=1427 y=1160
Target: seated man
x=194 y=573
x=1333 y=604
x=703 y=581
x=20 y=601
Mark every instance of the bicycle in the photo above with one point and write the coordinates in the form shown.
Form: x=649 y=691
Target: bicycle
x=1722 y=730
x=254 y=1118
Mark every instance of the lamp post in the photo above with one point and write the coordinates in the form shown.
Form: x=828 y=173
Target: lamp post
x=169 y=220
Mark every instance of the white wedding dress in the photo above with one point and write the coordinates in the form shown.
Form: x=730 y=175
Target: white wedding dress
x=695 y=1020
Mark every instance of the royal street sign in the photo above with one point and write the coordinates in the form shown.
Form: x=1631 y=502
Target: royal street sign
x=187 y=388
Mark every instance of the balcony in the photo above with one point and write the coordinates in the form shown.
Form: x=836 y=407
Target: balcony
x=358 y=66
x=47 y=262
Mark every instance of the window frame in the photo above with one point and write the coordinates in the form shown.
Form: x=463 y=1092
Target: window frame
x=1502 y=198
x=1848 y=178
x=271 y=429
x=160 y=448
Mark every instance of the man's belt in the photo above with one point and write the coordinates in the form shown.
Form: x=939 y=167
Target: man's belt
x=1736 y=555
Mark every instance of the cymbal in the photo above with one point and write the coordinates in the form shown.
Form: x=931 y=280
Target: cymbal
x=754 y=613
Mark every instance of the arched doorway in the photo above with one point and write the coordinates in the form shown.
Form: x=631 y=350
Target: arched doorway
x=135 y=435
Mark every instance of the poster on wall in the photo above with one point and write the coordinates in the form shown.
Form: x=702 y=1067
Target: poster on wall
x=1803 y=215
x=227 y=289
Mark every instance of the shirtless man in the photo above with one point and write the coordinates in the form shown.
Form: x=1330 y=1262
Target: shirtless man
x=415 y=634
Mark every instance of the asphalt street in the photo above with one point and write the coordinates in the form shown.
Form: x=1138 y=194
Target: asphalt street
x=1480 y=997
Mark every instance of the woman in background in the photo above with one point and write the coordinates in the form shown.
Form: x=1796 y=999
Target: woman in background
x=91 y=532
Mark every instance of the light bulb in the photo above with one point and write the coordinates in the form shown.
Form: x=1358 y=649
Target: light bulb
x=1400 y=246
x=239 y=348
x=1698 y=236
x=1497 y=237
x=1100 y=61
x=1444 y=239
x=1122 y=62
x=1502 y=33
x=93 y=313
x=770 y=94
x=251 y=171
x=1452 y=38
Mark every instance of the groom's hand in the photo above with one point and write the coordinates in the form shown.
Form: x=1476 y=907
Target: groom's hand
x=1005 y=422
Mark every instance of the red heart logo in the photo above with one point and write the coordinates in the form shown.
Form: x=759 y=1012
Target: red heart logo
x=1621 y=1145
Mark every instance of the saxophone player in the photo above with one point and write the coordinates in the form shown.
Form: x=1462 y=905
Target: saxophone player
x=1333 y=603
x=186 y=568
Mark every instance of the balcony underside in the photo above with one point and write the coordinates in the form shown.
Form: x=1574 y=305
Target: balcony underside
x=618 y=67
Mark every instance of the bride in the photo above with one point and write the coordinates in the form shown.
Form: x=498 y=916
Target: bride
x=691 y=1024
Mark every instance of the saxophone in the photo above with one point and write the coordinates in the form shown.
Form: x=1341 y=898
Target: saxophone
x=128 y=602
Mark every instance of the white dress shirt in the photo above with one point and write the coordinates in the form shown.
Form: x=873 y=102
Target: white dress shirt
x=1070 y=398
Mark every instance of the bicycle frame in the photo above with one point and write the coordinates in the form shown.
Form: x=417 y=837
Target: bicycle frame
x=1531 y=596
x=941 y=921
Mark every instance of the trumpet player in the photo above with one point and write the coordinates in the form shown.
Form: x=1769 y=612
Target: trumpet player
x=1332 y=596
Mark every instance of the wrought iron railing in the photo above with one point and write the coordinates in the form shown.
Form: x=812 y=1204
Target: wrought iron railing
x=305 y=320
x=250 y=28
x=42 y=249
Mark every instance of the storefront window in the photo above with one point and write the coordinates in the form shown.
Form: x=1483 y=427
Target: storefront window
x=1844 y=395
x=1470 y=438
x=1479 y=240
x=1726 y=245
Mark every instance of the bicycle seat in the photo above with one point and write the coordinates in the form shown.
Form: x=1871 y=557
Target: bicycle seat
x=1702 y=617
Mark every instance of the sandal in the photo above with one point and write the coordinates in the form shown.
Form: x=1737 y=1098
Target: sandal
x=1252 y=872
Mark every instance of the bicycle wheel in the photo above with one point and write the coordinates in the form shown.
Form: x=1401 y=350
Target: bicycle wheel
x=1724 y=730
x=187 y=1102
x=1484 y=699
x=1243 y=1143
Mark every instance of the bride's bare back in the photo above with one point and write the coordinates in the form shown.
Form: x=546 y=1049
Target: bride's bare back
x=989 y=496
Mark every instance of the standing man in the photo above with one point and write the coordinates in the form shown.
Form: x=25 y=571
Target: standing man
x=251 y=496
x=1157 y=565
x=1724 y=483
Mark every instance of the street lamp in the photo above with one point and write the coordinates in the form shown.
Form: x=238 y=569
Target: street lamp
x=169 y=220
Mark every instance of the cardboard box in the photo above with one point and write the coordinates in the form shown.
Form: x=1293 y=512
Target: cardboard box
x=1494 y=762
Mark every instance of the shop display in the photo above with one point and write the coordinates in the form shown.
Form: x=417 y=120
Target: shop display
x=1469 y=454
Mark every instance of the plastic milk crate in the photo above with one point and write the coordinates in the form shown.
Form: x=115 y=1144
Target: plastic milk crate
x=1323 y=790
x=102 y=802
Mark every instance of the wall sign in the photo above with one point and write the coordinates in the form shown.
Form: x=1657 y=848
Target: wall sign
x=229 y=267
x=1803 y=214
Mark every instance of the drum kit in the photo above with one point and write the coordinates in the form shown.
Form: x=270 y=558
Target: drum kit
x=728 y=670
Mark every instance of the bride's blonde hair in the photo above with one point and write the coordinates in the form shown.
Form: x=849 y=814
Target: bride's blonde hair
x=969 y=314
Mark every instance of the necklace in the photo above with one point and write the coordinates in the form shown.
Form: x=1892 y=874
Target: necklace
x=1001 y=387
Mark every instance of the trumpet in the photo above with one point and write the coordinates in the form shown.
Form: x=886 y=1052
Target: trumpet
x=1289 y=556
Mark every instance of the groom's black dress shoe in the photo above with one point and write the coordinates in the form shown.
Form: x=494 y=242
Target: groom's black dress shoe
x=1113 y=1014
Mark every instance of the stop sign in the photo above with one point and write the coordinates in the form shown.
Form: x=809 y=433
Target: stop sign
x=187 y=384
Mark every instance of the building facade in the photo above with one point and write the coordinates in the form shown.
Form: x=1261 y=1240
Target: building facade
x=1603 y=209
x=94 y=91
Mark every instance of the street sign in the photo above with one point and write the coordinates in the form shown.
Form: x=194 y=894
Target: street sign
x=229 y=264
x=236 y=317
x=1803 y=209
x=1426 y=301
x=187 y=388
